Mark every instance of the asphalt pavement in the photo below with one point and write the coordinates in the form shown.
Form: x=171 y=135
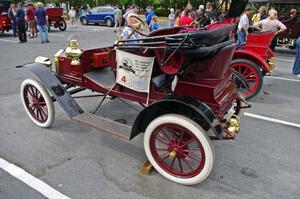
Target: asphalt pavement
x=82 y=162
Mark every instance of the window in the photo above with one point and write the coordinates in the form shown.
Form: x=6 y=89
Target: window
x=106 y=10
x=94 y=10
x=100 y=10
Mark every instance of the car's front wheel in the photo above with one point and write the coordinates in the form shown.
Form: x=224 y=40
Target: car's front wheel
x=109 y=23
x=37 y=103
x=84 y=21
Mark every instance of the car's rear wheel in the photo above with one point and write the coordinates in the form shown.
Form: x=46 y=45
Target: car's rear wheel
x=62 y=25
x=179 y=149
x=252 y=73
x=37 y=103
x=109 y=23
x=84 y=21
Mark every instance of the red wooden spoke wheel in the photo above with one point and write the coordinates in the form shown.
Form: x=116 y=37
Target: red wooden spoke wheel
x=179 y=149
x=37 y=103
x=171 y=144
x=251 y=73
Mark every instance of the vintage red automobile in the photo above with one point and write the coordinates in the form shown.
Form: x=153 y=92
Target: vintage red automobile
x=255 y=59
x=55 y=18
x=5 y=22
x=180 y=75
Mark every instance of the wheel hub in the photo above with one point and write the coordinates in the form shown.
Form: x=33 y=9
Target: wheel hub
x=176 y=150
x=172 y=154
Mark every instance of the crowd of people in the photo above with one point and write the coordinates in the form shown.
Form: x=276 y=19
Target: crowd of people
x=35 y=17
x=262 y=22
x=188 y=15
x=176 y=18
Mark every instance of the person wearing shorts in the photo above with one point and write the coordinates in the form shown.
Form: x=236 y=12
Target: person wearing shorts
x=118 y=18
x=31 y=20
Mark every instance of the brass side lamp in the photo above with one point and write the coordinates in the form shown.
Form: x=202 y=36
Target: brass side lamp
x=73 y=51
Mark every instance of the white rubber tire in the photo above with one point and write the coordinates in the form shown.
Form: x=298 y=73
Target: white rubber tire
x=47 y=98
x=197 y=131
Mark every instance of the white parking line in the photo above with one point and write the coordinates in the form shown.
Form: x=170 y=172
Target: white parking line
x=269 y=119
x=56 y=35
x=97 y=29
x=7 y=40
x=289 y=60
x=31 y=181
x=283 y=78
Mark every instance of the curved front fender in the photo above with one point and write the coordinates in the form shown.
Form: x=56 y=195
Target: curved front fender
x=54 y=86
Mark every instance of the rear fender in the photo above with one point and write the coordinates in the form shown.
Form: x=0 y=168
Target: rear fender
x=252 y=56
x=54 y=86
x=182 y=105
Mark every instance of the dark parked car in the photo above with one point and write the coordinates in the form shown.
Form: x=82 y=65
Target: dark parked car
x=99 y=15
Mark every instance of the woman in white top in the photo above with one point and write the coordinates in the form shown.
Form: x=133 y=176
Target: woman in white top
x=271 y=24
x=171 y=17
x=72 y=15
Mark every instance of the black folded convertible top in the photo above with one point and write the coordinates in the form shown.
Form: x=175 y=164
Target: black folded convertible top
x=189 y=39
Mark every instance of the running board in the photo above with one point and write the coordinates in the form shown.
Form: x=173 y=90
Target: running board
x=116 y=129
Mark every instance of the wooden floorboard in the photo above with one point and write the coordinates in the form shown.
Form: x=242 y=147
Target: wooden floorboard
x=116 y=129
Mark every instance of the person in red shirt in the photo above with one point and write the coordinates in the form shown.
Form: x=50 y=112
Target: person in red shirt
x=185 y=19
x=31 y=20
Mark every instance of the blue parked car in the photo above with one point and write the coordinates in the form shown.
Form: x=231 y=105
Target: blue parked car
x=99 y=15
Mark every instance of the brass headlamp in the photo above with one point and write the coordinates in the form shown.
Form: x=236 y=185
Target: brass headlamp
x=271 y=62
x=232 y=127
x=73 y=50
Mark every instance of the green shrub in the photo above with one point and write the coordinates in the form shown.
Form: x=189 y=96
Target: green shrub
x=161 y=12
